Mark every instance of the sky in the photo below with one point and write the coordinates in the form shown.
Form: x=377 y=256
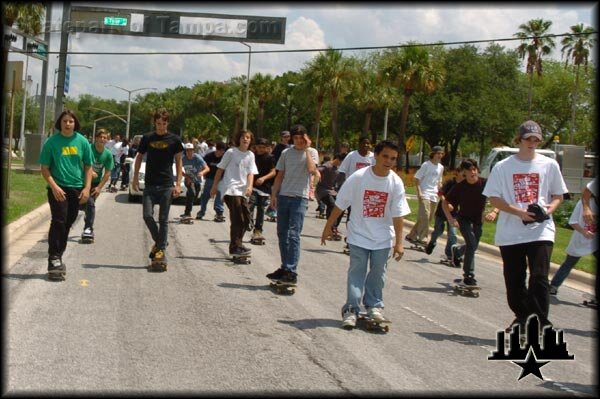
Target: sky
x=308 y=26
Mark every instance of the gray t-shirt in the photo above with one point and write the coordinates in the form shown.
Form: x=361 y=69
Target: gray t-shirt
x=296 y=178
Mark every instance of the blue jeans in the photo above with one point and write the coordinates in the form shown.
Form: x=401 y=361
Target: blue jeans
x=290 y=219
x=90 y=211
x=161 y=195
x=563 y=271
x=219 y=207
x=471 y=233
x=114 y=173
x=438 y=230
x=261 y=203
x=363 y=285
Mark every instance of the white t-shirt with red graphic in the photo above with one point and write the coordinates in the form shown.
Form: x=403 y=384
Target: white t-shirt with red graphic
x=375 y=200
x=579 y=245
x=521 y=183
x=354 y=161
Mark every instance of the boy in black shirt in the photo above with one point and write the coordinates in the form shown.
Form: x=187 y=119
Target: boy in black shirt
x=212 y=159
x=261 y=191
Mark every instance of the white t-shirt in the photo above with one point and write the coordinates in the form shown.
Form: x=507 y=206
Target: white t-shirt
x=521 y=183
x=579 y=245
x=116 y=150
x=593 y=186
x=375 y=200
x=354 y=161
x=430 y=175
x=237 y=166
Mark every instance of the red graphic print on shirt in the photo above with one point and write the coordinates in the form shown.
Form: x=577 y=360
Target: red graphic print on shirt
x=527 y=187
x=374 y=204
x=360 y=165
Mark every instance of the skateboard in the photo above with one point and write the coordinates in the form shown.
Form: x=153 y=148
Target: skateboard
x=417 y=247
x=157 y=265
x=272 y=219
x=258 y=240
x=241 y=259
x=283 y=288
x=370 y=324
x=447 y=262
x=87 y=240
x=321 y=216
x=112 y=190
x=220 y=219
x=467 y=290
x=590 y=301
x=57 y=276
x=186 y=220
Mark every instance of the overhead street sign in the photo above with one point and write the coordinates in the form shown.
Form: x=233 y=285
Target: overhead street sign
x=178 y=25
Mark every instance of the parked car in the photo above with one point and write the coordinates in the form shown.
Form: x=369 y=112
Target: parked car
x=136 y=195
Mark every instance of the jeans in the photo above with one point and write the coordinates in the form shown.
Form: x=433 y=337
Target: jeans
x=533 y=298
x=329 y=202
x=566 y=267
x=420 y=230
x=240 y=222
x=471 y=233
x=290 y=219
x=64 y=214
x=363 y=285
x=114 y=173
x=161 y=195
x=260 y=202
x=90 y=211
x=218 y=207
x=192 y=192
x=438 y=230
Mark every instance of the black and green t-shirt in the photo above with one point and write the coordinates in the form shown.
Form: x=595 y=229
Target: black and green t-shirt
x=159 y=150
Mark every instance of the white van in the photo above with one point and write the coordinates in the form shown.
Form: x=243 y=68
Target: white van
x=499 y=153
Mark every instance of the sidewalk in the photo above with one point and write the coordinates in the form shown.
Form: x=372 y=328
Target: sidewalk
x=37 y=222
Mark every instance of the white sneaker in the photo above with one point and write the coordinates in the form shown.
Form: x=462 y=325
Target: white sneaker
x=375 y=314
x=87 y=232
x=349 y=320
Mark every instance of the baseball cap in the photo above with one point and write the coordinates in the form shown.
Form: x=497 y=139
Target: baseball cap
x=437 y=148
x=530 y=129
x=262 y=141
x=285 y=133
x=188 y=146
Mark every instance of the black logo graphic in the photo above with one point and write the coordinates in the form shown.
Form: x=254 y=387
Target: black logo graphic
x=524 y=347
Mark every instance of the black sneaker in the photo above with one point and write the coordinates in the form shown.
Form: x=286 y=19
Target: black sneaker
x=246 y=249
x=276 y=275
x=153 y=252
x=56 y=267
x=239 y=251
x=429 y=248
x=411 y=240
x=455 y=257
x=289 y=277
x=185 y=215
x=469 y=280
x=199 y=217
x=553 y=290
x=219 y=218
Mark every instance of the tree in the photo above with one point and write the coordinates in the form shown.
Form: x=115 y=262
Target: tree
x=411 y=69
x=315 y=79
x=368 y=94
x=539 y=45
x=577 y=50
x=262 y=88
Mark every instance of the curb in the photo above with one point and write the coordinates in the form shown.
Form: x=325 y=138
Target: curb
x=21 y=226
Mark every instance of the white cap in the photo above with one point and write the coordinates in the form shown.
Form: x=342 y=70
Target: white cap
x=188 y=146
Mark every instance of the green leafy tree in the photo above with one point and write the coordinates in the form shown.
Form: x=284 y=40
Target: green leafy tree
x=315 y=78
x=262 y=89
x=534 y=45
x=577 y=48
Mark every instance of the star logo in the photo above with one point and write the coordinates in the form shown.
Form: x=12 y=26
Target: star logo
x=531 y=365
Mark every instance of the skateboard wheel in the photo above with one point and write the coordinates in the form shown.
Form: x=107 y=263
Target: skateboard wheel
x=386 y=328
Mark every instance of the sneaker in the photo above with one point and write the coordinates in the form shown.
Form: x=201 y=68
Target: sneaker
x=55 y=266
x=469 y=280
x=219 y=218
x=240 y=251
x=411 y=240
x=185 y=215
x=455 y=257
x=349 y=319
x=160 y=254
x=421 y=242
x=375 y=314
x=153 y=251
x=289 y=277
x=553 y=290
x=246 y=249
x=199 y=216
x=276 y=275
x=429 y=248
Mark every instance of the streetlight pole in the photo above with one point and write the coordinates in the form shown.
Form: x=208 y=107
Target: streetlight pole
x=247 y=85
x=101 y=118
x=55 y=88
x=129 y=102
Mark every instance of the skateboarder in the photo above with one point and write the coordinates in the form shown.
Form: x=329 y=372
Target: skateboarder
x=265 y=164
x=237 y=168
x=212 y=159
x=428 y=181
x=102 y=167
x=290 y=197
x=327 y=188
x=160 y=147
x=194 y=169
x=66 y=166
x=375 y=228
x=527 y=188
x=468 y=204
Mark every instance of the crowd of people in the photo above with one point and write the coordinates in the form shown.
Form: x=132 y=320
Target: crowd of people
x=255 y=180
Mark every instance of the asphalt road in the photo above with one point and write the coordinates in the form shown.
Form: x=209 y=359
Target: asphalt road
x=211 y=327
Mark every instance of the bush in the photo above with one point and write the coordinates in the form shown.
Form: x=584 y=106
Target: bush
x=563 y=213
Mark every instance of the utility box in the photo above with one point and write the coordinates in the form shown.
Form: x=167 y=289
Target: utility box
x=572 y=161
x=33 y=148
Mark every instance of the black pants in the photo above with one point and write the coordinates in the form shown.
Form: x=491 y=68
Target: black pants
x=192 y=193
x=63 y=216
x=534 y=297
x=329 y=201
x=239 y=216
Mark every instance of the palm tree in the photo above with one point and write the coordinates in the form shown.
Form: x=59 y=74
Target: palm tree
x=233 y=104
x=315 y=79
x=410 y=68
x=262 y=88
x=577 y=48
x=539 y=45
x=368 y=95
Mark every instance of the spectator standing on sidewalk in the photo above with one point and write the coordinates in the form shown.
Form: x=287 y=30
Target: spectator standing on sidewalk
x=66 y=166
x=526 y=188
x=428 y=183
x=290 y=197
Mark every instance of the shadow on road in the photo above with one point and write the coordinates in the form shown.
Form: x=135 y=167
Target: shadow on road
x=323 y=251
x=246 y=287
x=43 y=276
x=446 y=288
x=461 y=339
x=581 y=333
x=311 y=324
x=211 y=259
x=555 y=301
x=94 y=266
x=572 y=386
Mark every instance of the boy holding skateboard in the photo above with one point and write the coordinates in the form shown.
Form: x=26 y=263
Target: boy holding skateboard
x=378 y=198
